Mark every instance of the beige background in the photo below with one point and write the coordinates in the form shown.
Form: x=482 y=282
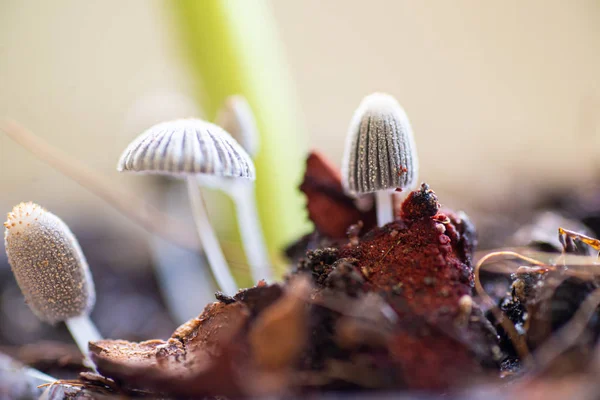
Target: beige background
x=501 y=94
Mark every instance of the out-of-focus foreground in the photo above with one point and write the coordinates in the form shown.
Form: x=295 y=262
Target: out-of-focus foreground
x=501 y=96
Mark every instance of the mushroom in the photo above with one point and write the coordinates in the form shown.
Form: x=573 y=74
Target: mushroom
x=51 y=271
x=188 y=148
x=236 y=118
x=380 y=154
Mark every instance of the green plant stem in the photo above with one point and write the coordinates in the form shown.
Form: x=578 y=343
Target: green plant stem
x=233 y=48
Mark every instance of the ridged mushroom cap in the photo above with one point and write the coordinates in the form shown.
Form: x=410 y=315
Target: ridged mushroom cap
x=48 y=264
x=187 y=146
x=380 y=149
x=237 y=118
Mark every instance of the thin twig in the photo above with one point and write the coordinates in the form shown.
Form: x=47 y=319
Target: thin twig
x=128 y=204
x=386 y=254
x=517 y=340
x=567 y=335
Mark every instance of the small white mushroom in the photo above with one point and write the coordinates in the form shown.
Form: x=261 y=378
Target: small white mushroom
x=236 y=117
x=380 y=154
x=51 y=271
x=188 y=148
x=184 y=147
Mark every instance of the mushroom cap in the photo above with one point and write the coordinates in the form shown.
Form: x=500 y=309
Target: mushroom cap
x=237 y=118
x=187 y=146
x=380 y=149
x=48 y=264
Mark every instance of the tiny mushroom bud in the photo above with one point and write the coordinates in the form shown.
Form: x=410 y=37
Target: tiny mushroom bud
x=380 y=154
x=51 y=270
x=188 y=148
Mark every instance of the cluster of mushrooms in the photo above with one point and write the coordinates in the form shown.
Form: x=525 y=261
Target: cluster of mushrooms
x=52 y=272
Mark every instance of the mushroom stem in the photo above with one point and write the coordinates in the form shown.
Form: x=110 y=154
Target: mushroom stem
x=251 y=231
x=83 y=331
x=398 y=199
x=384 y=206
x=207 y=235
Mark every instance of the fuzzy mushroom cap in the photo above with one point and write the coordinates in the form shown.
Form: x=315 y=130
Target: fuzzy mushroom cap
x=48 y=264
x=187 y=146
x=380 y=150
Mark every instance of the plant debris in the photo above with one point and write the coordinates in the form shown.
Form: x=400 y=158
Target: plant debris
x=329 y=208
x=367 y=308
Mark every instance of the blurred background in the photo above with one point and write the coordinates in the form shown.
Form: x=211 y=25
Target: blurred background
x=504 y=99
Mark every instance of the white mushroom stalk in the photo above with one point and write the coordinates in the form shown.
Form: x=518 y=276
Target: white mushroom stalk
x=188 y=148
x=236 y=117
x=51 y=271
x=380 y=155
x=209 y=240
